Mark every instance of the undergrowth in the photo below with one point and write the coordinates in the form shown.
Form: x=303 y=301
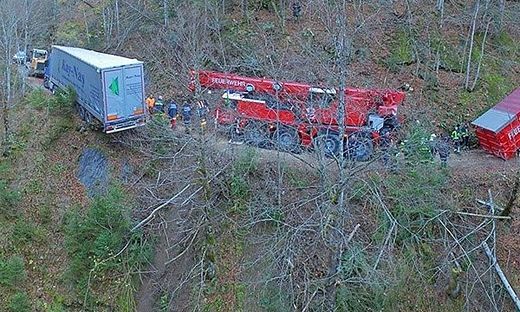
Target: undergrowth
x=225 y=247
x=102 y=251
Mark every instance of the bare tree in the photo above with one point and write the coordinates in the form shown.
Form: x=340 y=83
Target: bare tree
x=10 y=24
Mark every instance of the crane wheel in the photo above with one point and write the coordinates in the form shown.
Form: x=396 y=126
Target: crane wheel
x=255 y=134
x=328 y=142
x=359 y=146
x=287 y=140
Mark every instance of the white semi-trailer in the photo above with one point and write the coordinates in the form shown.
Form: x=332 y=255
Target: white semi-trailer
x=109 y=88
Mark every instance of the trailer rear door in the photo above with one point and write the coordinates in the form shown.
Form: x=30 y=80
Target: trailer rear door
x=123 y=88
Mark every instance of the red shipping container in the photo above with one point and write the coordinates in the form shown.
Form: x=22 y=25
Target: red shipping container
x=498 y=129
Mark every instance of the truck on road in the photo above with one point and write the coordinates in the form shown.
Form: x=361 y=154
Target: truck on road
x=109 y=89
x=291 y=115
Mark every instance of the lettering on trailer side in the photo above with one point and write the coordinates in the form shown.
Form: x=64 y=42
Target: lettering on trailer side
x=514 y=132
x=73 y=71
x=229 y=82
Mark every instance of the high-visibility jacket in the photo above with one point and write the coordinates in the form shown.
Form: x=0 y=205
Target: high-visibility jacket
x=455 y=135
x=159 y=106
x=150 y=102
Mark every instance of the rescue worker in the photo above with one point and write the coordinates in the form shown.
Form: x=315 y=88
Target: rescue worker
x=172 y=113
x=159 y=105
x=150 y=103
x=432 y=143
x=202 y=112
x=443 y=148
x=457 y=139
x=386 y=144
x=186 y=115
x=464 y=132
x=406 y=87
x=311 y=113
x=296 y=9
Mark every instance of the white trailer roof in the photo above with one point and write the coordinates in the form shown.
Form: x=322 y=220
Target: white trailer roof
x=98 y=59
x=493 y=120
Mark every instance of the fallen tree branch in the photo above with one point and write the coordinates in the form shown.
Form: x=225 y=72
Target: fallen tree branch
x=479 y=215
x=174 y=197
x=513 y=196
x=159 y=208
x=200 y=188
x=485 y=203
x=502 y=276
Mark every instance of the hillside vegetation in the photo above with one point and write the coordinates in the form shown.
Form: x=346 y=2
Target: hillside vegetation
x=237 y=228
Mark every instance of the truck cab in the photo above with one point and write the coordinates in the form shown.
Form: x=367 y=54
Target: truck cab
x=38 y=59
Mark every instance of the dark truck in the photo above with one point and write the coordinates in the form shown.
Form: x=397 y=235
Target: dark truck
x=109 y=88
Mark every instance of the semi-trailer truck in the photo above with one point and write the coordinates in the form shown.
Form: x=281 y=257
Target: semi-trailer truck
x=109 y=89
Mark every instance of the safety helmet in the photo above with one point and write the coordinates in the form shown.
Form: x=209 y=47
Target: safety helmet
x=160 y=97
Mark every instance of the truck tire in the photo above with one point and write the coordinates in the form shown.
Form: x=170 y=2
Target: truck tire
x=81 y=112
x=255 y=134
x=88 y=118
x=232 y=134
x=329 y=142
x=359 y=146
x=287 y=140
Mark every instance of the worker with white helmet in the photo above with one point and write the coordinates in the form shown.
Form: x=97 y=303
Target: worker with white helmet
x=159 y=105
x=432 y=143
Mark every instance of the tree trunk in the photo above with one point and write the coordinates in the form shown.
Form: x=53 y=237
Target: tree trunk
x=339 y=213
x=245 y=4
x=165 y=12
x=440 y=8
x=501 y=9
x=513 y=197
x=8 y=97
x=471 y=39
x=116 y=8
x=477 y=74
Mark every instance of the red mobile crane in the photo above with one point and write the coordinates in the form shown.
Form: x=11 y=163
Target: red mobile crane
x=294 y=114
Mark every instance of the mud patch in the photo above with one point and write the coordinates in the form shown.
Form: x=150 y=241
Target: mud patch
x=93 y=172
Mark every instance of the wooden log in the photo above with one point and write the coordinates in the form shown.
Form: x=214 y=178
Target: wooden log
x=502 y=276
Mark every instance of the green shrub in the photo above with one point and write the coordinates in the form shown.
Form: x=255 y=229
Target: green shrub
x=12 y=271
x=45 y=213
x=497 y=87
x=60 y=126
x=71 y=33
x=415 y=147
x=450 y=57
x=62 y=100
x=92 y=241
x=8 y=199
x=25 y=232
x=401 y=51
x=5 y=167
x=506 y=44
x=274 y=298
x=238 y=184
x=20 y=303
x=38 y=99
